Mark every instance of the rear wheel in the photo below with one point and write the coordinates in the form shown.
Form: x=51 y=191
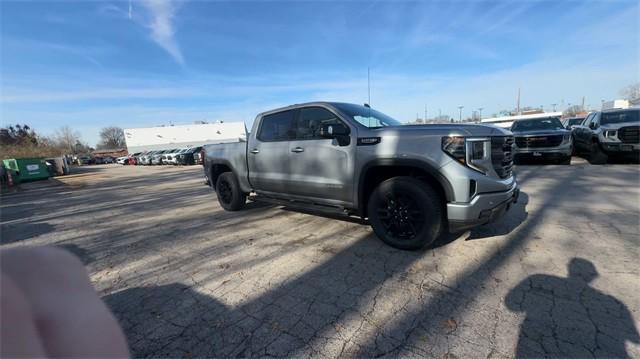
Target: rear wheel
x=405 y=213
x=597 y=155
x=229 y=194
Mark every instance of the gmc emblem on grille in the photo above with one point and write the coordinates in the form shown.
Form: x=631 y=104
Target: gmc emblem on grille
x=533 y=139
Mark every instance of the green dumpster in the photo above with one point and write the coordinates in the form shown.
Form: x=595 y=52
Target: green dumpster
x=27 y=169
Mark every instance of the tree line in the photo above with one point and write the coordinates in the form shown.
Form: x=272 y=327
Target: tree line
x=23 y=141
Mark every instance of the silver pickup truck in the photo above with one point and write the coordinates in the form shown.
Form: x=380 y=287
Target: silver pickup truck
x=410 y=182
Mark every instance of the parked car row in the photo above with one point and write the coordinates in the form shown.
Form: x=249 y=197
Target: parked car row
x=176 y=156
x=614 y=132
x=92 y=160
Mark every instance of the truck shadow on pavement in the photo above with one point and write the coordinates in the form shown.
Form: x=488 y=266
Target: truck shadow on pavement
x=566 y=317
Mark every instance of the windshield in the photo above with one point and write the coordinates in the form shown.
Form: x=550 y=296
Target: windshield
x=619 y=117
x=551 y=123
x=366 y=116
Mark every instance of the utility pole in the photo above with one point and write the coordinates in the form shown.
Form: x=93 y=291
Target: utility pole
x=425 y=112
x=518 y=104
x=554 y=106
x=460 y=108
x=439 y=113
x=582 y=103
x=480 y=113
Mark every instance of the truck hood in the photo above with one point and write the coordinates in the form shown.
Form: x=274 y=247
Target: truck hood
x=451 y=129
x=615 y=126
x=541 y=132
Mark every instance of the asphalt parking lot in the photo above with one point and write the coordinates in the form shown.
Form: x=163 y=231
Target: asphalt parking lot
x=559 y=276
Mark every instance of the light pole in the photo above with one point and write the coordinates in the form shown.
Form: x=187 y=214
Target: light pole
x=480 y=114
x=460 y=108
x=554 y=106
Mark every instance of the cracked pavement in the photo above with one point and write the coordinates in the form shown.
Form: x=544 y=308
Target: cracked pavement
x=557 y=277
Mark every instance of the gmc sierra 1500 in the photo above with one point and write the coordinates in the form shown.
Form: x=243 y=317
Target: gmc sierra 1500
x=409 y=181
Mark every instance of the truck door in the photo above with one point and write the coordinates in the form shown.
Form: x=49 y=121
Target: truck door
x=582 y=132
x=268 y=153
x=321 y=168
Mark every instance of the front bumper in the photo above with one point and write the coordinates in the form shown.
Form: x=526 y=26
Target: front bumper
x=564 y=149
x=484 y=208
x=619 y=147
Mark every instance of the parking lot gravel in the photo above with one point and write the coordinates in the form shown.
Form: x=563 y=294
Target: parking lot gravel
x=558 y=276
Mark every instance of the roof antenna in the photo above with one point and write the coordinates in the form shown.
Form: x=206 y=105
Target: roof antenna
x=368 y=104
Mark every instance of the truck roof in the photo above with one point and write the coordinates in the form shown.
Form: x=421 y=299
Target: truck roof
x=304 y=104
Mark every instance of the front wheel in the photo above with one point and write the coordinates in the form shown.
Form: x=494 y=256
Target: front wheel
x=406 y=213
x=229 y=194
x=597 y=156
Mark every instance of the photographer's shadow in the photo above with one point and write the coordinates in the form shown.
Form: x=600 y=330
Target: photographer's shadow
x=566 y=317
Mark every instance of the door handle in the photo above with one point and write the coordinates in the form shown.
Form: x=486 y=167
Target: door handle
x=298 y=149
x=255 y=150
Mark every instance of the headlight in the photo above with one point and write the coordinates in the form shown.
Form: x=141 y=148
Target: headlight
x=474 y=153
x=610 y=133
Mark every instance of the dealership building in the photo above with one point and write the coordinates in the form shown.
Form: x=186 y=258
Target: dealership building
x=182 y=136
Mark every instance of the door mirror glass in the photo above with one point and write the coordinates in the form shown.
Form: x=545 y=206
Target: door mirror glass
x=333 y=130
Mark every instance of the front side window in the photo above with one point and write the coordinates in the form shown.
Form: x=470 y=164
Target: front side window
x=311 y=120
x=588 y=119
x=574 y=121
x=276 y=127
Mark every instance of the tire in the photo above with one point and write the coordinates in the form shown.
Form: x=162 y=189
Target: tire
x=406 y=213
x=230 y=197
x=597 y=155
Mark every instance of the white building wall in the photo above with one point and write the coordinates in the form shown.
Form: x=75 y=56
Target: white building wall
x=180 y=136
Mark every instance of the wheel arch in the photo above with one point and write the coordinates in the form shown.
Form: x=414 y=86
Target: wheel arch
x=216 y=168
x=376 y=171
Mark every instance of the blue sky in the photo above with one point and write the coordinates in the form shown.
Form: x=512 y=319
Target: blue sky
x=90 y=64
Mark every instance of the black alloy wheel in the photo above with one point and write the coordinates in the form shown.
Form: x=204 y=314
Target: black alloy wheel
x=406 y=213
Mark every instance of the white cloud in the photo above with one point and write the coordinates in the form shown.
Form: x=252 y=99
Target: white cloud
x=161 y=24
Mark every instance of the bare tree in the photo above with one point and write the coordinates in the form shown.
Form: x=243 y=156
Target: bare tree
x=112 y=137
x=631 y=93
x=67 y=139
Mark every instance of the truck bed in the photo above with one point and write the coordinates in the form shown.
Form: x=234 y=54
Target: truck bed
x=233 y=155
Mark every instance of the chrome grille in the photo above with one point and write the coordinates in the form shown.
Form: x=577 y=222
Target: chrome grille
x=502 y=155
x=539 y=141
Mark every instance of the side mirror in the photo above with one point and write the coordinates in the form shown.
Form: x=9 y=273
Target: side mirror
x=334 y=130
x=593 y=125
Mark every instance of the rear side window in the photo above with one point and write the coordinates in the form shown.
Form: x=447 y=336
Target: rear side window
x=276 y=127
x=311 y=120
